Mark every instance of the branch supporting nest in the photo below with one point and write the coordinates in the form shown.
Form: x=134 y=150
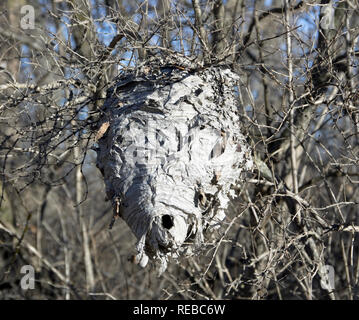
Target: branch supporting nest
x=116 y=211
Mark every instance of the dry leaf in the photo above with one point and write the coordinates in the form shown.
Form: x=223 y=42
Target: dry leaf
x=102 y=130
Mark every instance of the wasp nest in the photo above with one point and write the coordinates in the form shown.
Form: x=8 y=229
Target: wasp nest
x=170 y=152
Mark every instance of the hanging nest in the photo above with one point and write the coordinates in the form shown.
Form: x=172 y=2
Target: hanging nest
x=170 y=149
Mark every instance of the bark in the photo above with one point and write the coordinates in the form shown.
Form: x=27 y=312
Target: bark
x=171 y=154
x=219 y=29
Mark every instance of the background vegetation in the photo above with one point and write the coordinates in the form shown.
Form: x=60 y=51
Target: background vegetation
x=298 y=96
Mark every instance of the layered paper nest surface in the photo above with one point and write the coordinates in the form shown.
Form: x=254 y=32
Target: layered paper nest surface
x=171 y=154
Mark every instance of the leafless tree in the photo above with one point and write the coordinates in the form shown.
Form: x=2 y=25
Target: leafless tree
x=294 y=219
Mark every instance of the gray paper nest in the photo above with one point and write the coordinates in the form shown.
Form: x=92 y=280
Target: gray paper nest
x=172 y=153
